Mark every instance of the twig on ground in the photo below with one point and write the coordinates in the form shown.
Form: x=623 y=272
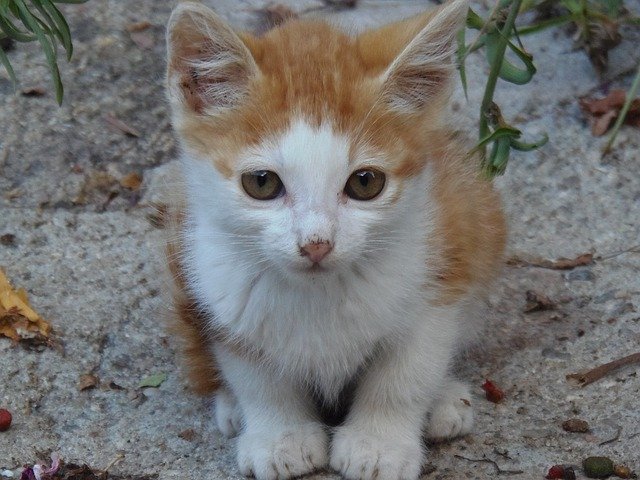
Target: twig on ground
x=559 y=264
x=585 y=378
x=634 y=249
x=615 y=438
x=484 y=459
x=118 y=458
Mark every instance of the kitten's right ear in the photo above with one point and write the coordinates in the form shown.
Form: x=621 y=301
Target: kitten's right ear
x=209 y=67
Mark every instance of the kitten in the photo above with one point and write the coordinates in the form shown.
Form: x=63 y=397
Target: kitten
x=333 y=233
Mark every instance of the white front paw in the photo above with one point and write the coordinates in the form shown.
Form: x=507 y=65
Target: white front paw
x=451 y=415
x=450 y=419
x=269 y=454
x=228 y=415
x=362 y=456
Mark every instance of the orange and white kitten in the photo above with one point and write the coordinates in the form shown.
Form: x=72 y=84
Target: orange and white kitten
x=333 y=233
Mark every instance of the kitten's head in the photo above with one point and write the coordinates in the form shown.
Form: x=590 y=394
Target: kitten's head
x=307 y=146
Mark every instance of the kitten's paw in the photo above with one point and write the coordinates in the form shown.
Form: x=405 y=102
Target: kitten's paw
x=452 y=414
x=228 y=415
x=360 y=455
x=268 y=454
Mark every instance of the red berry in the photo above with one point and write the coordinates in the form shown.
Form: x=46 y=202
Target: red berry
x=5 y=420
x=492 y=392
x=557 y=471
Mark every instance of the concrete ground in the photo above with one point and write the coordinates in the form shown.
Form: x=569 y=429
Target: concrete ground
x=88 y=254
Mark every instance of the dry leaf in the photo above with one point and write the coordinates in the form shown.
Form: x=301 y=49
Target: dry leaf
x=8 y=240
x=600 y=37
x=144 y=40
x=88 y=381
x=602 y=112
x=138 y=26
x=120 y=125
x=132 y=181
x=188 y=434
x=18 y=320
x=33 y=92
x=537 y=302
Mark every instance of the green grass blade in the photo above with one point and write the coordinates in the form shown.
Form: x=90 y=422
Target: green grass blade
x=9 y=29
x=48 y=48
x=551 y=22
x=62 y=26
x=7 y=65
x=461 y=54
x=631 y=94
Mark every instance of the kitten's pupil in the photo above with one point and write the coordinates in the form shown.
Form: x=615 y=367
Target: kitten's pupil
x=365 y=184
x=261 y=178
x=364 y=178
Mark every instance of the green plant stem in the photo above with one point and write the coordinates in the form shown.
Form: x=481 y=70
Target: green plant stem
x=492 y=80
x=631 y=94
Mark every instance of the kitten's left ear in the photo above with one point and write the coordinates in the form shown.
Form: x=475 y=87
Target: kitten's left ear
x=422 y=70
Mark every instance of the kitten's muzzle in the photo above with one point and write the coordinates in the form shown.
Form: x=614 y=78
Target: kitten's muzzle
x=316 y=251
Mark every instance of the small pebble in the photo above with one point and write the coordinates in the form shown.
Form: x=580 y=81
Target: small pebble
x=575 y=425
x=622 y=471
x=581 y=275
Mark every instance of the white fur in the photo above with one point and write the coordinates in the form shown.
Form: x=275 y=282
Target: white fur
x=312 y=330
x=227 y=413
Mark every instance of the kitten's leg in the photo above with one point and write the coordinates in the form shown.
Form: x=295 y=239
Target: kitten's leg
x=228 y=415
x=281 y=436
x=451 y=414
x=382 y=436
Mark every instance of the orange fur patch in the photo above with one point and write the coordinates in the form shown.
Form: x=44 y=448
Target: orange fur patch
x=187 y=323
x=311 y=70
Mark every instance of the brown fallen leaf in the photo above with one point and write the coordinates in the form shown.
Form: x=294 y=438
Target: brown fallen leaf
x=8 y=240
x=537 y=302
x=602 y=112
x=18 y=320
x=143 y=39
x=115 y=122
x=188 y=434
x=33 y=92
x=87 y=382
x=138 y=26
x=559 y=264
x=132 y=181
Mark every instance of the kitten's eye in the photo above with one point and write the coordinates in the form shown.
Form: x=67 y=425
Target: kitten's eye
x=262 y=184
x=365 y=184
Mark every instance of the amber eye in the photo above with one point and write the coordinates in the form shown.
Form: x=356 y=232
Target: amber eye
x=262 y=184
x=365 y=184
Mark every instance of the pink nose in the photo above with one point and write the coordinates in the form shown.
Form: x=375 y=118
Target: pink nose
x=316 y=251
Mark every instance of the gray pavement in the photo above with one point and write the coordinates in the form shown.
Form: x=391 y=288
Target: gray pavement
x=89 y=256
